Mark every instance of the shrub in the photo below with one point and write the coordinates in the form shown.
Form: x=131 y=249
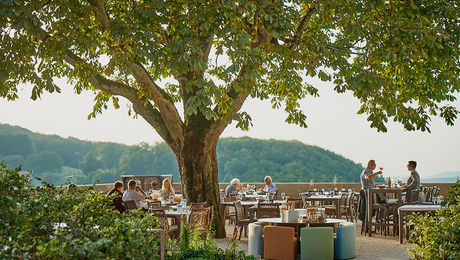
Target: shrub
x=194 y=245
x=51 y=223
x=437 y=236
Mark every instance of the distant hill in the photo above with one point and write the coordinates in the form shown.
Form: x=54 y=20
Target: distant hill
x=61 y=160
x=443 y=177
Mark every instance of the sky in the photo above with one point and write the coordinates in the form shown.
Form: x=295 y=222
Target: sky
x=332 y=124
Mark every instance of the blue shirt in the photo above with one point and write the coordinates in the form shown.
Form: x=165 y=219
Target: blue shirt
x=270 y=188
x=229 y=190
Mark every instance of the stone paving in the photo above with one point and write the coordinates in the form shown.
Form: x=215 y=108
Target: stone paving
x=375 y=247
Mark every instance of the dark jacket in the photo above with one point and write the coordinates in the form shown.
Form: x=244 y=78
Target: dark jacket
x=117 y=201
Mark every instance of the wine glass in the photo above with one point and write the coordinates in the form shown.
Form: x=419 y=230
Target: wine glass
x=283 y=195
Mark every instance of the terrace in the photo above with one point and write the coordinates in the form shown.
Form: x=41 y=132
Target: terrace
x=379 y=246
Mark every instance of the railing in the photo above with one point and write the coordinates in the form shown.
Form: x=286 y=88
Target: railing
x=292 y=189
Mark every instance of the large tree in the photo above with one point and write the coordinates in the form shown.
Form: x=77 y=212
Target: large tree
x=187 y=66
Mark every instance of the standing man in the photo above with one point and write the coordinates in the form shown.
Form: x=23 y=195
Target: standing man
x=367 y=182
x=134 y=193
x=233 y=187
x=270 y=187
x=368 y=176
x=413 y=182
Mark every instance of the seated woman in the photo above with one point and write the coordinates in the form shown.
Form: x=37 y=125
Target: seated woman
x=117 y=201
x=167 y=189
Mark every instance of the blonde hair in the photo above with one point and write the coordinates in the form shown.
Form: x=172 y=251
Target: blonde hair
x=170 y=185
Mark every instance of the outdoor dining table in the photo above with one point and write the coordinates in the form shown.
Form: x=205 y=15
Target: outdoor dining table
x=335 y=199
x=396 y=202
x=405 y=210
x=246 y=205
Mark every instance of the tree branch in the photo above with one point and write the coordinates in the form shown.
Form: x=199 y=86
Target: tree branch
x=166 y=106
x=102 y=13
x=141 y=105
x=297 y=35
x=218 y=126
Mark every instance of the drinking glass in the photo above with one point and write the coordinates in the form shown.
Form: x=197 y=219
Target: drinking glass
x=283 y=195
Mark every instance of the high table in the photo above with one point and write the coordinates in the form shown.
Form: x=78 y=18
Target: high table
x=409 y=209
x=334 y=199
x=396 y=202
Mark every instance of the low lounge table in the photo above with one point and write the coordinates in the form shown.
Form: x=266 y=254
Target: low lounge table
x=330 y=222
x=409 y=209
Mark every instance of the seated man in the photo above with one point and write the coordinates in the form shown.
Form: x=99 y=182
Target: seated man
x=413 y=182
x=134 y=193
x=270 y=187
x=233 y=187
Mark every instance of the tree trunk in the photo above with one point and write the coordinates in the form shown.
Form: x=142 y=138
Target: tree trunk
x=197 y=163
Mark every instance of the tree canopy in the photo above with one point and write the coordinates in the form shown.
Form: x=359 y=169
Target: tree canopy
x=400 y=58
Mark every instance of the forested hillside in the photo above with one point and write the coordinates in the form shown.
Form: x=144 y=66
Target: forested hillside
x=60 y=159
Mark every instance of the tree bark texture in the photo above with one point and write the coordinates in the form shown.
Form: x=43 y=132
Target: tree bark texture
x=197 y=163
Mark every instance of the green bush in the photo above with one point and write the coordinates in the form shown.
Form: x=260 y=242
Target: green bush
x=438 y=236
x=193 y=244
x=47 y=222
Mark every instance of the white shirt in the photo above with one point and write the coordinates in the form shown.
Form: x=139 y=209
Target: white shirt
x=133 y=195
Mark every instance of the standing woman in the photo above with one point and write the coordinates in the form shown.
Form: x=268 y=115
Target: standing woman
x=167 y=189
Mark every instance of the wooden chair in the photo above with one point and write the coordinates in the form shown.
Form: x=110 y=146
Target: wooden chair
x=170 y=230
x=240 y=219
x=303 y=196
x=130 y=205
x=298 y=203
x=268 y=210
x=199 y=219
x=348 y=208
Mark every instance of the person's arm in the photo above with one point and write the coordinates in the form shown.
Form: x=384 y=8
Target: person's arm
x=142 y=192
x=411 y=182
x=372 y=176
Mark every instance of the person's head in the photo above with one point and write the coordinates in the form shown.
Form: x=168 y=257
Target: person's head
x=411 y=165
x=154 y=184
x=268 y=180
x=371 y=164
x=235 y=182
x=118 y=185
x=132 y=185
x=167 y=185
